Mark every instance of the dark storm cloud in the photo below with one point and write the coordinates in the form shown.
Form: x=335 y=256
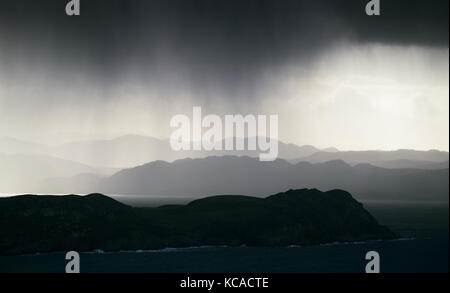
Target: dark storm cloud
x=225 y=42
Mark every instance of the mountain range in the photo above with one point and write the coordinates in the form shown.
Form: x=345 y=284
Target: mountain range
x=245 y=175
x=133 y=150
x=21 y=173
x=154 y=169
x=394 y=159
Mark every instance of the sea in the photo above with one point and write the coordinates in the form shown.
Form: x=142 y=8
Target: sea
x=422 y=247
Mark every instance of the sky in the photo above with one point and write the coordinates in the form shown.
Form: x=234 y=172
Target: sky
x=335 y=76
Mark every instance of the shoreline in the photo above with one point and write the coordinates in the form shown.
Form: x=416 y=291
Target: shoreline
x=200 y=247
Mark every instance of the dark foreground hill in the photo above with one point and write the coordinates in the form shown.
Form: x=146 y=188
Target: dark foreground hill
x=32 y=223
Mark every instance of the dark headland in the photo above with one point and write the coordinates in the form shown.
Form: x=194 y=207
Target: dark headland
x=31 y=223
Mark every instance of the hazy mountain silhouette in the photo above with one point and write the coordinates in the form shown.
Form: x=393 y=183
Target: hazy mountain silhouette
x=245 y=175
x=24 y=172
x=132 y=150
x=35 y=170
x=31 y=224
x=55 y=185
x=374 y=157
x=330 y=149
x=404 y=164
x=124 y=151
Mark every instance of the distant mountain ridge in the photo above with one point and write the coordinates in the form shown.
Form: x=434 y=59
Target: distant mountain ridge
x=24 y=172
x=33 y=167
x=374 y=157
x=296 y=217
x=245 y=175
x=410 y=164
x=132 y=150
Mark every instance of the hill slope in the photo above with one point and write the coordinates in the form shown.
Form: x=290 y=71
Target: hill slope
x=304 y=217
